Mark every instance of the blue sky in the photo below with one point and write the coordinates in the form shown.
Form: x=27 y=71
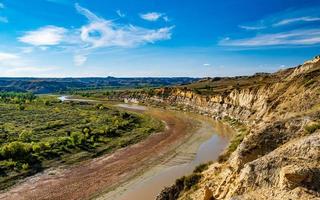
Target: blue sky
x=134 y=38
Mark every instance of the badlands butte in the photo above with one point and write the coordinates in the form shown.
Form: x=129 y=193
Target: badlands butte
x=276 y=151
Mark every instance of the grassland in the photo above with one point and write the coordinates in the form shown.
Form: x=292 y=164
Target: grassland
x=39 y=132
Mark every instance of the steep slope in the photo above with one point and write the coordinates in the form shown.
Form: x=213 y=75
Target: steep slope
x=279 y=157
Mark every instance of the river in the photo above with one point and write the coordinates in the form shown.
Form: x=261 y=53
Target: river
x=206 y=144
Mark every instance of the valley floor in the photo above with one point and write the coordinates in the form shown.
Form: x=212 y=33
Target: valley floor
x=93 y=177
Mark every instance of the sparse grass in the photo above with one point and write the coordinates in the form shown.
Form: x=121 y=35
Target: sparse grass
x=187 y=182
x=202 y=167
x=311 y=128
x=241 y=130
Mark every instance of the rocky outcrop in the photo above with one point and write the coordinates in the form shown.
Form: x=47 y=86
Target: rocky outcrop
x=280 y=157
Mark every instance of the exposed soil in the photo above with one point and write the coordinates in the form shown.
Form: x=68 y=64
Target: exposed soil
x=91 y=177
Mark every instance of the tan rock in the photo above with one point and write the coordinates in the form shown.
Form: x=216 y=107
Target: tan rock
x=207 y=194
x=292 y=176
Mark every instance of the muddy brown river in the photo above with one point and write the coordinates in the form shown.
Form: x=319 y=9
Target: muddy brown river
x=136 y=172
x=205 y=145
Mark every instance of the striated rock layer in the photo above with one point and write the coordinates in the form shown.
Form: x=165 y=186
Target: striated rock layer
x=279 y=158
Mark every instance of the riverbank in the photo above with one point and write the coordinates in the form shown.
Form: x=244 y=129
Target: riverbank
x=109 y=171
x=204 y=145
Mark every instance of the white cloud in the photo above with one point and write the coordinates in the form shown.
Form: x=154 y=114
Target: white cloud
x=10 y=60
x=26 y=49
x=154 y=16
x=295 y=37
x=249 y=28
x=44 y=36
x=296 y=20
x=88 y=14
x=166 y=18
x=105 y=33
x=4 y=19
x=7 y=56
x=207 y=65
x=121 y=14
x=79 y=59
x=98 y=33
x=111 y=35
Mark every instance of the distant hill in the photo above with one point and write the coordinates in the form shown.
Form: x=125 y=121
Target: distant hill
x=51 y=85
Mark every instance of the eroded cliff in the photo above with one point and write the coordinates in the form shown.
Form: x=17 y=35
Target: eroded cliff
x=278 y=156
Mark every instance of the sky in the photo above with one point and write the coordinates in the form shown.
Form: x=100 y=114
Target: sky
x=155 y=38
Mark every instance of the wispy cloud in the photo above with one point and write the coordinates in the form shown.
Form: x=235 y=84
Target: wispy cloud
x=97 y=33
x=2 y=18
x=111 y=34
x=285 y=28
x=44 y=36
x=88 y=14
x=79 y=59
x=63 y=2
x=297 y=20
x=120 y=14
x=252 y=27
x=25 y=50
x=154 y=16
x=7 y=56
x=294 y=37
x=206 y=64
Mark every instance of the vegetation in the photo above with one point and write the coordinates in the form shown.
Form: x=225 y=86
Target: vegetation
x=186 y=182
x=311 y=128
x=241 y=130
x=36 y=132
x=56 y=85
x=202 y=167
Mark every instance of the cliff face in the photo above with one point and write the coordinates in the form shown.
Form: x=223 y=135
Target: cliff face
x=280 y=157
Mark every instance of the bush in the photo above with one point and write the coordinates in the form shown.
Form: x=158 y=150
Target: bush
x=25 y=166
x=312 y=128
x=191 y=180
x=200 y=168
x=39 y=147
x=25 y=136
x=180 y=183
x=77 y=138
x=22 y=107
x=7 y=165
x=16 y=150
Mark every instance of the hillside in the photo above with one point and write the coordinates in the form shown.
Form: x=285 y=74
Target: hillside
x=51 y=85
x=276 y=153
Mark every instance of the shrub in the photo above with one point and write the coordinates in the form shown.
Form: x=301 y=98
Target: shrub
x=16 y=150
x=191 y=180
x=25 y=166
x=39 y=147
x=77 y=138
x=180 y=183
x=312 y=128
x=22 y=107
x=25 y=136
x=200 y=168
x=7 y=164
